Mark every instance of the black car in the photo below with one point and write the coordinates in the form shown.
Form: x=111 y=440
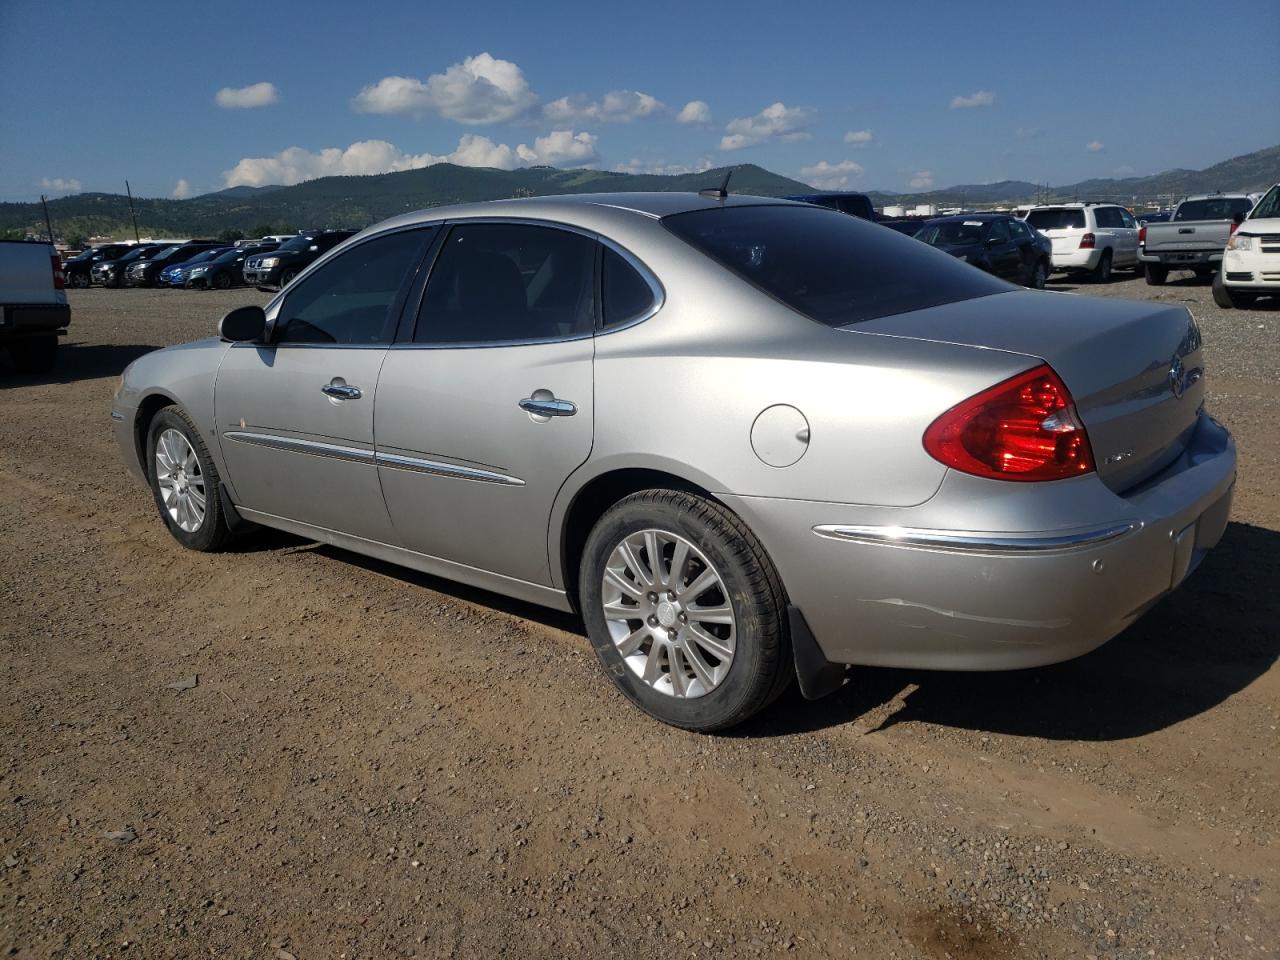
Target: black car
x=994 y=242
x=110 y=273
x=76 y=270
x=1153 y=216
x=144 y=271
x=226 y=270
x=854 y=204
x=280 y=266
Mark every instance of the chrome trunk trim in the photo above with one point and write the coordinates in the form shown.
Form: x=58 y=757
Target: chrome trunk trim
x=968 y=541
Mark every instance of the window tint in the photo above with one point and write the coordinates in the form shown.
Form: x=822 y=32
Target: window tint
x=951 y=232
x=1216 y=208
x=1127 y=219
x=999 y=231
x=834 y=269
x=496 y=282
x=625 y=294
x=1069 y=219
x=1019 y=231
x=1108 y=217
x=349 y=299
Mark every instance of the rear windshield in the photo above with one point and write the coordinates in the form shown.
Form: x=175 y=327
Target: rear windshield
x=298 y=243
x=1214 y=208
x=1056 y=219
x=953 y=232
x=833 y=268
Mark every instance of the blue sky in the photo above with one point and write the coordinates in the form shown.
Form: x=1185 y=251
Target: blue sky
x=186 y=98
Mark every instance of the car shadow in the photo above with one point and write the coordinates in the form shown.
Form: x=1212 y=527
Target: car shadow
x=1205 y=642
x=76 y=361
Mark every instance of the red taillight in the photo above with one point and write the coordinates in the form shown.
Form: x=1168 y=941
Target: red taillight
x=1087 y=241
x=1025 y=428
x=1234 y=228
x=1142 y=234
x=59 y=280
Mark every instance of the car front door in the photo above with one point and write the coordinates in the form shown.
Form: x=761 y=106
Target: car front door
x=486 y=409
x=1002 y=254
x=1028 y=255
x=295 y=416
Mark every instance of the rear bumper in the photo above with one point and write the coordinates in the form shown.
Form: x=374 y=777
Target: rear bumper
x=996 y=578
x=1076 y=259
x=1181 y=258
x=33 y=319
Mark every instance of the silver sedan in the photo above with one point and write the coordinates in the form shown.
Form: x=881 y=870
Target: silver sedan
x=751 y=441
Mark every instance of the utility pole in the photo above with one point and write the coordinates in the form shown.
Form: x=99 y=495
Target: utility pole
x=136 y=238
x=47 y=222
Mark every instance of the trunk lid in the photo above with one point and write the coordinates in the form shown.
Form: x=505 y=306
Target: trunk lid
x=1135 y=370
x=1193 y=235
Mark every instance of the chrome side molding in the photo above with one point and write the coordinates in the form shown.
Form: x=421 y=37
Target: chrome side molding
x=968 y=541
x=393 y=461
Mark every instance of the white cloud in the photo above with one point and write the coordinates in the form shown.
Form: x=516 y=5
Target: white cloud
x=296 y=164
x=979 y=98
x=775 y=121
x=859 y=137
x=243 y=98
x=922 y=180
x=60 y=184
x=1095 y=146
x=1123 y=170
x=181 y=189
x=617 y=106
x=695 y=111
x=830 y=176
x=636 y=165
x=481 y=89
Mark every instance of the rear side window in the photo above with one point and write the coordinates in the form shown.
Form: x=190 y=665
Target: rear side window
x=624 y=293
x=835 y=269
x=1019 y=230
x=1072 y=219
x=1215 y=208
x=504 y=282
x=349 y=299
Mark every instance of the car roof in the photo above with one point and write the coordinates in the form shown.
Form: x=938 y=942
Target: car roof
x=984 y=217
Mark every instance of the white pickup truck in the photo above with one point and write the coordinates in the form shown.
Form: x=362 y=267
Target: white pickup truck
x=33 y=304
x=1251 y=261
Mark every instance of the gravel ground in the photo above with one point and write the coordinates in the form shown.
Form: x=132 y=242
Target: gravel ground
x=375 y=763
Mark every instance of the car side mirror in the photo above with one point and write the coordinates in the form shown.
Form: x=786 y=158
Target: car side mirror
x=244 y=325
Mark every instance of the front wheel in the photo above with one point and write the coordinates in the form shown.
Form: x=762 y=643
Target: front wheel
x=221 y=281
x=184 y=482
x=685 y=610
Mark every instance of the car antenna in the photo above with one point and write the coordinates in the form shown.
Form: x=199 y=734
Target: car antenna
x=720 y=192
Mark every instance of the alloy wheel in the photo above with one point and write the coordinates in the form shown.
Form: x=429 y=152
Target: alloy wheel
x=181 y=481
x=669 y=614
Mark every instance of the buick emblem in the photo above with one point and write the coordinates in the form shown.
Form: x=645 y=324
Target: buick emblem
x=1177 y=377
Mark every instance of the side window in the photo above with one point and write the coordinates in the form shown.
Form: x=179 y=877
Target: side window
x=1126 y=218
x=624 y=294
x=349 y=299
x=1106 y=217
x=999 y=231
x=499 y=282
x=856 y=207
x=1019 y=230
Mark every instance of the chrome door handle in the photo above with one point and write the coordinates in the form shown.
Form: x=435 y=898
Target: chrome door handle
x=341 y=391
x=548 y=408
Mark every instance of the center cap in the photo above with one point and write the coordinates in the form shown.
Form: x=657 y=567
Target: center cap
x=667 y=613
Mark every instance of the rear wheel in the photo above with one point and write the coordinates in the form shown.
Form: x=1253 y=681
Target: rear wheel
x=221 y=281
x=184 y=482
x=1039 y=275
x=80 y=280
x=35 y=355
x=1157 y=274
x=286 y=278
x=1102 y=272
x=685 y=610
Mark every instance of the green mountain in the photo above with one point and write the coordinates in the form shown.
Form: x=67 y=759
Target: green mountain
x=355 y=201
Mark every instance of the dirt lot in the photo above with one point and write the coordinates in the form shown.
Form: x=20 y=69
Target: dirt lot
x=375 y=763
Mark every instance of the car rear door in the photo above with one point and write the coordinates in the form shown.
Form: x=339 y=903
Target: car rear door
x=1001 y=252
x=1126 y=234
x=296 y=416
x=486 y=407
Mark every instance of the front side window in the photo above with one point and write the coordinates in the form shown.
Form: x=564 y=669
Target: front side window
x=999 y=232
x=509 y=282
x=349 y=300
x=624 y=294
x=1019 y=231
x=1126 y=218
x=832 y=268
x=951 y=232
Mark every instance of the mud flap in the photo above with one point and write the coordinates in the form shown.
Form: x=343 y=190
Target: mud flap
x=235 y=522
x=818 y=676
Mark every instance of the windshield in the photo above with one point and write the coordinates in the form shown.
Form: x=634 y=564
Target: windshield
x=136 y=253
x=1056 y=219
x=952 y=232
x=831 y=267
x=161 y=254
x=298 y=243
x=1268 y=206
x=225 y=256
x=1213 y=208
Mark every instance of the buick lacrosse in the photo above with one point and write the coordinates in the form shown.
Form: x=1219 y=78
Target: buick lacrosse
x=749 y=440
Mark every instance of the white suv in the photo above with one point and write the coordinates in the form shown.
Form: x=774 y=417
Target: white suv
x=1088 y=237
x=1251 y=262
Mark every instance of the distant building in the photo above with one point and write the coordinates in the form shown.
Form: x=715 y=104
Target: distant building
x=895 y=210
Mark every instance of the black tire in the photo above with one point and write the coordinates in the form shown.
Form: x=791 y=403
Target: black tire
x=286 y=278
x=213 y=533
x=1039 y=275
x=1204 y=274
x=761 y=667
x=1221 y=295
x=34 y=354
x=79 y=280
x=1157 y=274
x=1102 y=272
x=221 y=281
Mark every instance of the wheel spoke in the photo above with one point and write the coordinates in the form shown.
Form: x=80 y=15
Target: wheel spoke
x=708 y=642
x=654 y=551
x=634 y=565
x=701 y=584
x=711 y=614
x=679 y=682
x=621 y=611
x=197 y=498
x=632 y=641
x=678 y=561
x=623 y=584
x=653 y=665
x=700 y=667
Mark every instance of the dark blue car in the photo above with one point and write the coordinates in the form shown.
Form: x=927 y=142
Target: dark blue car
x=226 y=269
x=175 y=275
